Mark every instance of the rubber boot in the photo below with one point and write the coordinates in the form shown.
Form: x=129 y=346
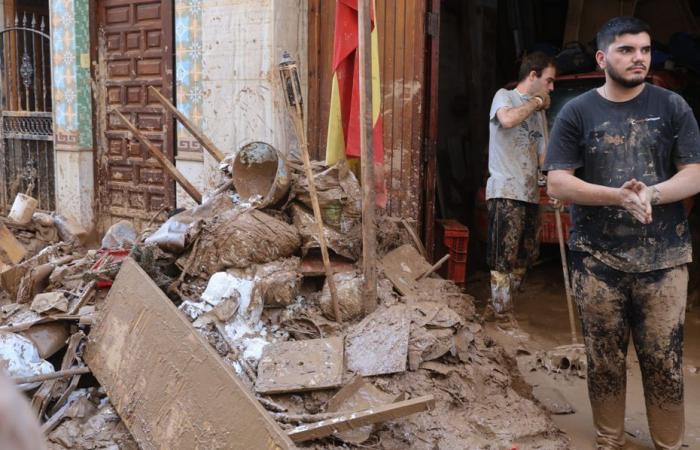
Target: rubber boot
x=516 y=280
x=501 y=298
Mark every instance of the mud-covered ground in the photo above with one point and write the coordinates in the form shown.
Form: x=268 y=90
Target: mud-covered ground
x=542 y=313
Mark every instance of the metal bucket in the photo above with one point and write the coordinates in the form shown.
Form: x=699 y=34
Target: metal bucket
x=260 y=174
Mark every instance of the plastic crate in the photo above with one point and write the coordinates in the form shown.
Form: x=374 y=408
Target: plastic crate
x=548 y=227
x=454 y=238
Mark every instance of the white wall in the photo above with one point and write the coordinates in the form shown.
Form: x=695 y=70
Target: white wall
x=242 y=43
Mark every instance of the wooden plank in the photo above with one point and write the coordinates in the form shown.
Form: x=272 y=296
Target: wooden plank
x=208 y=145
x=296 y=366
x=357 y=419
x=164 y=161
x=12 y=250
x=171 y=389
x=432 y=96
x=369 y=232
x=402 y=266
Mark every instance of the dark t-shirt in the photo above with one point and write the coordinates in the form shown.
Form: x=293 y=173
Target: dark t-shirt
x=609 y=143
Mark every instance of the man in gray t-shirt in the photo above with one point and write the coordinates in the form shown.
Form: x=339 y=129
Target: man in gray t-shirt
x=516 y=142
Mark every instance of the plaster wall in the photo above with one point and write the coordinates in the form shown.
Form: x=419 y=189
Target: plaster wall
x=238 y=92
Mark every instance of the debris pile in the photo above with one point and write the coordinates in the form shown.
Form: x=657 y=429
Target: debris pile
x=224 y=308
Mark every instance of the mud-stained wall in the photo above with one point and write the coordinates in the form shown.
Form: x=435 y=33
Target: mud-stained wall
x=72 y=108
x=227 y=79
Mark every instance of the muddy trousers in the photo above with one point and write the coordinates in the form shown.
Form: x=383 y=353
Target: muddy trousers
x=650 y=307
x=512 y=246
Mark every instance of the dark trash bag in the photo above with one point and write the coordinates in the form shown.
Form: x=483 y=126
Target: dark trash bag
x=574 y=59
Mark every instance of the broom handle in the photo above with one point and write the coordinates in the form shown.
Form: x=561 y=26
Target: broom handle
x=565 y=269
x=562 y=248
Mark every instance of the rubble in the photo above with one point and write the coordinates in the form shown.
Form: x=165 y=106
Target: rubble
x=222 y=309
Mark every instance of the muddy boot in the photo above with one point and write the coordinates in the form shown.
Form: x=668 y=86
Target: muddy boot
x=501 y=300
x=516 y=280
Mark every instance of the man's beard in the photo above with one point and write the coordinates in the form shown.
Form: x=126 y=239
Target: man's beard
x=618 y=78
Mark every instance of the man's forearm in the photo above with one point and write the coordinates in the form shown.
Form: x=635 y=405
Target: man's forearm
x=566 y=187
x=685 y=183
x=511 y=117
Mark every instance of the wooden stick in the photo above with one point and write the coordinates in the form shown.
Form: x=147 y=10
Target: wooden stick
x=369 y=234
x=565 y=269
x=164 y=161
x=349 y=421
x=28 y=325
x=83 y=297
x=414 y=236
x=52 y=376
x=434 y=267
x=213 y=150
x=298 y=119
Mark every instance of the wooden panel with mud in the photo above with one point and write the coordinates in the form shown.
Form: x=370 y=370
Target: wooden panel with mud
x=166 y=382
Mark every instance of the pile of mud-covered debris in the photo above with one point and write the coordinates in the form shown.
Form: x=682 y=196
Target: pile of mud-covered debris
x=216 y=330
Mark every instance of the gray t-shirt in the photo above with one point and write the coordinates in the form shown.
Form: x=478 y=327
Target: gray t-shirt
x=513 y=152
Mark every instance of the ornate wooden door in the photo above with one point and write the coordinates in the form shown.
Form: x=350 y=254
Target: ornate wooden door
x=135 y=51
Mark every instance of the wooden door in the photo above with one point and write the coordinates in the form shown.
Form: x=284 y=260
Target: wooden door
x=402 y=51
x=135 y=50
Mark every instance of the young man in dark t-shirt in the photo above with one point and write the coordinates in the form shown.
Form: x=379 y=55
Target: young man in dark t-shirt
x=625 y=155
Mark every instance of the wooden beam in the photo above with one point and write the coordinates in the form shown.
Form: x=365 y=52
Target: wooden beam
x=208 y=145
x=164 y=161
x=356 y=419
x=369 y=233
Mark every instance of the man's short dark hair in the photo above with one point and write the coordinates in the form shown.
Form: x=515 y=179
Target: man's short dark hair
x=617 y=26
x=536 y=61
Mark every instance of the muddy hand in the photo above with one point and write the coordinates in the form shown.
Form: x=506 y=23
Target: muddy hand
x=637 y=205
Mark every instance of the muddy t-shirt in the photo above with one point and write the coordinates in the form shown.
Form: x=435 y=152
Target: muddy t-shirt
x=513 y=152
x=609 y=143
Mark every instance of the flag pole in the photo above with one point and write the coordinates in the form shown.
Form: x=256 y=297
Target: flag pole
x=369 y=235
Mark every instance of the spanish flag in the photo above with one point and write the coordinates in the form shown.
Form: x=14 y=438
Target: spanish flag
x=344 y=119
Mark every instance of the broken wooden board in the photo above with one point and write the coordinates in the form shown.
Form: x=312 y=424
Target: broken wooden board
x=11 y=251
x=312 y=265
x=402 y=266
x=379 y=344
x=357 y=419
x=171 y=389
x=355 y=396
x=295 y=366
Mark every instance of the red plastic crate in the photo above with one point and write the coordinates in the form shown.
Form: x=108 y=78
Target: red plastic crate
x=454 y=237
x=548 y=227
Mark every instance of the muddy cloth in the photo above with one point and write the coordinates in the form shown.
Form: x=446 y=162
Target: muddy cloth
x=513 y=152
x=513 y=234
x=651 y=307
x=610 y=143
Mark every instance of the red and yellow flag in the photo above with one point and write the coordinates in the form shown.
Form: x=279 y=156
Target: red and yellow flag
x=344 y=119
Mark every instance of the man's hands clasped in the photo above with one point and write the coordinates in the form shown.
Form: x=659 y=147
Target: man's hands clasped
x=638 y=198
